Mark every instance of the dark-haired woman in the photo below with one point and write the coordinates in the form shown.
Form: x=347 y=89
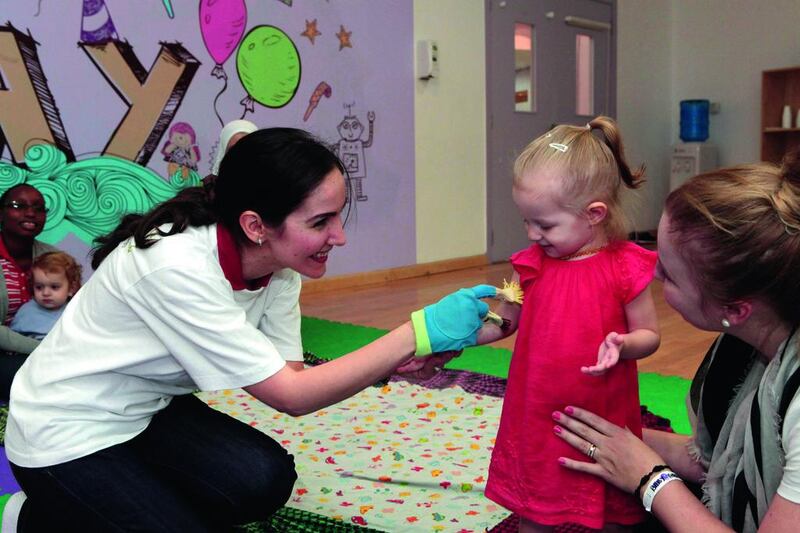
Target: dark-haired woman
x=729 y=257
x=104 y=433
x=22 y=218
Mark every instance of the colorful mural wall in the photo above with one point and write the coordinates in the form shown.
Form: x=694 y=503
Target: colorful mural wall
x=110 y=106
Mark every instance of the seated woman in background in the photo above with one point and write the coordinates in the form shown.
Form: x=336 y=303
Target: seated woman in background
x=22 y=218
x=230 y=135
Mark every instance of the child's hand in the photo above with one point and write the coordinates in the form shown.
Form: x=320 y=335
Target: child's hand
x=607 y=355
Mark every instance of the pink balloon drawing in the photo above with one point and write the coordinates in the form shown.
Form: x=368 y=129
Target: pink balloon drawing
x=222 y=24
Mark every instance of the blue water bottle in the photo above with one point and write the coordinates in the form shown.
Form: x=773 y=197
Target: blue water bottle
x=694 y=120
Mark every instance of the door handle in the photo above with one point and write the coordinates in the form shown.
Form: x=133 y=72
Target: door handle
x=587 y=24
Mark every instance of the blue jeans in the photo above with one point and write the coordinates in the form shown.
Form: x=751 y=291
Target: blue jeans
x=193 y=469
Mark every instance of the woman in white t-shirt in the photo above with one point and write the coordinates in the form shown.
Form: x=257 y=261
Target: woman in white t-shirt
x=103 y=432
x=729 y=258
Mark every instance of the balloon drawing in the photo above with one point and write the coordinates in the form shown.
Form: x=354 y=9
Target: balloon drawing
x=269 y=67
x=222 y=25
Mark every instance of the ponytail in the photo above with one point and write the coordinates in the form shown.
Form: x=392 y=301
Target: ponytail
x=270 y=172
x=190 y=207
x=787 y=197
x=613 y=139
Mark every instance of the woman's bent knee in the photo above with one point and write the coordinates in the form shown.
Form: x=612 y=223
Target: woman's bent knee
x=268 y=487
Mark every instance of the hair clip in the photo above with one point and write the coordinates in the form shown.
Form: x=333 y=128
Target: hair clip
x=558 y=146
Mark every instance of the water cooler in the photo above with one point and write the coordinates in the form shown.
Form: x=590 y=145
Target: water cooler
x=693 y=155
x=689 y=159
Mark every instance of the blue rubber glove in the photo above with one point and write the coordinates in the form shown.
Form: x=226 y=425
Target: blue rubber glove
x=453 y=322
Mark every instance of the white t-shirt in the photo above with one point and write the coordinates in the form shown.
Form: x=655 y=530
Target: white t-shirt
x=149 y=325
x=790 y=482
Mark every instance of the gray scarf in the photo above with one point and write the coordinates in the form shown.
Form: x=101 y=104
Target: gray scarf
x=745 y=466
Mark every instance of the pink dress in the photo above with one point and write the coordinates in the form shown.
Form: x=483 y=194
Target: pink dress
x=569 y=308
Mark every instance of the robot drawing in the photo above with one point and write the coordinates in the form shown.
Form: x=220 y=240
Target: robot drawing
x=351 y=148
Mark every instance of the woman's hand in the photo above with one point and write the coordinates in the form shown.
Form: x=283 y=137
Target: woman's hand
x=620 y=458
x=453 y=322
x=422 y=368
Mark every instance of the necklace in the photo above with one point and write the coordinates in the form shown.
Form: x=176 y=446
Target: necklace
x=584 y=253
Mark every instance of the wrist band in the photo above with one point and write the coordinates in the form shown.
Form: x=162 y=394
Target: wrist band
x=423 y=341
x=658 y=483
x=646 y=478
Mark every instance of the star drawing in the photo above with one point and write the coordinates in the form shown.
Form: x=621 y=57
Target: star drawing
x=311 y=30
x=344 y=38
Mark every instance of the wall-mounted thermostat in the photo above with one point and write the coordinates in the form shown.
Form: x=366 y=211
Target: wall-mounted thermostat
x=427 y=59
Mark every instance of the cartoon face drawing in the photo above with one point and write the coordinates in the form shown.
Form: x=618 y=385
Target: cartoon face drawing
x=350 y=128
x=183 y=140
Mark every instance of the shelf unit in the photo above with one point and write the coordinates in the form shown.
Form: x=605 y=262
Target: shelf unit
x=779 y=87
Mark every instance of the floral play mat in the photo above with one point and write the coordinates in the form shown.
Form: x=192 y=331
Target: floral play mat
x=394 y=458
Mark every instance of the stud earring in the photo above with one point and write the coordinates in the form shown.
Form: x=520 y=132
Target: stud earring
x=259 y=241
x=726 y=323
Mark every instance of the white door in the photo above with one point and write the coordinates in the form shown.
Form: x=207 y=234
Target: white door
x=547 y=62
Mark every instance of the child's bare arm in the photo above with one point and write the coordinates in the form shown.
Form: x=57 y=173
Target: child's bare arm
x=508 y=313
x=642 y=339
x=644 y=335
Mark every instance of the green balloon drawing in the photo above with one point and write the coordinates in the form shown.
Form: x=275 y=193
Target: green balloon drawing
x=88 y=198
x=268 y=66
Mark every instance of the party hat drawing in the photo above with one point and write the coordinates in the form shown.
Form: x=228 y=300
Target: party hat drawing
x=96 y=24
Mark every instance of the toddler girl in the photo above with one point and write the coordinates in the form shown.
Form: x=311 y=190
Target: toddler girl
x=587 y=316
x=56 y=278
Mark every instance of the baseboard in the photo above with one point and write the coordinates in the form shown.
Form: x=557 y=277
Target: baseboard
x=377 y=277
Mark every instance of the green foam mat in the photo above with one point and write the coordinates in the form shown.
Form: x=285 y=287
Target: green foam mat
x=289 y=520
x=663 y=395
x=3 y=501
x=328 y=339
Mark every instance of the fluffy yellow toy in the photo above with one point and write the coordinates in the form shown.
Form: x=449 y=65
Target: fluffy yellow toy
x=511 y=293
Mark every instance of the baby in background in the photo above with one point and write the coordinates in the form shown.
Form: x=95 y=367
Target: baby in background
x=56 y=277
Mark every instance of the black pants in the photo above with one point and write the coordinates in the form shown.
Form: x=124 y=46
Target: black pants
x=193 y=469
x=10 y=362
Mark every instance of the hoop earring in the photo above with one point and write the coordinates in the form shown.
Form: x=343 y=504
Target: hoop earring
x=259 y=241
x=726 y=323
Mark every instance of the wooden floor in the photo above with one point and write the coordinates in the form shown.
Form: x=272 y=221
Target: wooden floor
x=387 y=305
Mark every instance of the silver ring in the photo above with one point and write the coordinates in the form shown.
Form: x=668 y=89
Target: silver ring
x=591 y=451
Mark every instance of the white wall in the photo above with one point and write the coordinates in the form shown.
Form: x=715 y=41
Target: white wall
x=667 y=51
x=673 y=50
x=450 y=132
x=719 y=49
x=644 y=100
